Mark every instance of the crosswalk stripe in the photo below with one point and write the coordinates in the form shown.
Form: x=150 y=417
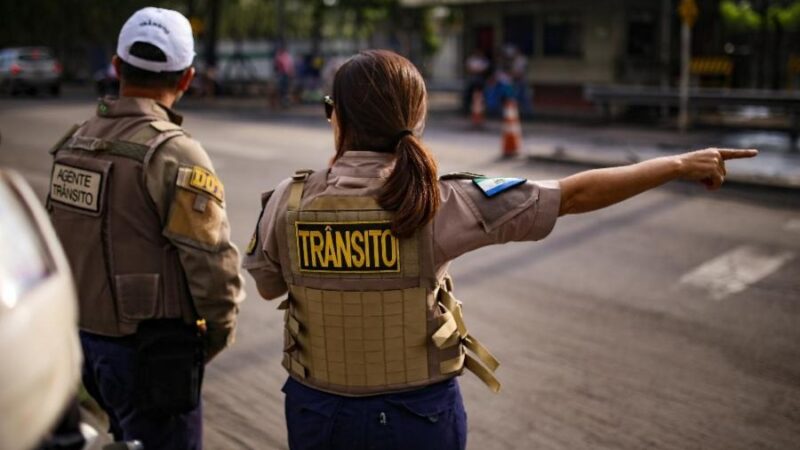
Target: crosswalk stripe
x=734 y=271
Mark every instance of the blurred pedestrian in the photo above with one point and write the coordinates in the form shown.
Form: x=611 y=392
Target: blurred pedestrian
x=374 y=336
x=476 y=68
x=141 y=215
x=284 y=69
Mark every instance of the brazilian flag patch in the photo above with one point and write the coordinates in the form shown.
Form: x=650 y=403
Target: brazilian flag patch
x=491 y=186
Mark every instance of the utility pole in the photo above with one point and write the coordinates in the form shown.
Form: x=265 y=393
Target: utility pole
x=280 y=17
x=688 y=12
x=212 y=32
x=666 y=44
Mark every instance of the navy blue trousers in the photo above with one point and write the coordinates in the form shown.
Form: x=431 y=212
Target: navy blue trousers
x=432 y=418
x=109 y=368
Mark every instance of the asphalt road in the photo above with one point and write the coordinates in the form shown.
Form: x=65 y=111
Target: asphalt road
x=671 y=321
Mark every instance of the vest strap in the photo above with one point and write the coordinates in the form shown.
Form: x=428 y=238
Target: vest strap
x=91 y=144
x=294 y=366
x=482 y=372
x=298 y=184
x=448 y=328
x=453 y=364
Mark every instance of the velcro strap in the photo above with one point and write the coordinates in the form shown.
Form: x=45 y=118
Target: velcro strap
x=87 y=143
x=452 y=365
x=130 y=150
x=481 y=352
x=293 y=325
x=283 y=305
x=448 y=328
x=482 y=372
x=294 y=365
x=452 y=305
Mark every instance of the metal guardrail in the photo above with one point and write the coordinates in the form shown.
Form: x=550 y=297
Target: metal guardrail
x=700 y=97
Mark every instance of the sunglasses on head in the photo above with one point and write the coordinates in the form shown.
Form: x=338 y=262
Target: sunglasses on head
x=327 y=102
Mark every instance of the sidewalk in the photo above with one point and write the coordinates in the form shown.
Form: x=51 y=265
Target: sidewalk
x=589 y=143
x=613 y=145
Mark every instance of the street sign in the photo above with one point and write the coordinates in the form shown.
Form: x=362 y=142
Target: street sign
x=688 y=11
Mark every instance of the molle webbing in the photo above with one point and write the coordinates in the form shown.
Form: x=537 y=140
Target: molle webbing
x=358 y=339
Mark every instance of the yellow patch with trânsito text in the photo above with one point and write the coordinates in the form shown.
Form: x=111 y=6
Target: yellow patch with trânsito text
x=347 y=247
x=207 y=182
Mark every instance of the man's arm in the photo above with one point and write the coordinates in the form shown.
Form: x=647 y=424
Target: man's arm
x=196 y=223
x=599 y=188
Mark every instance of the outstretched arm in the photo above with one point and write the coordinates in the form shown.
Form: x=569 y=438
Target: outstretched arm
x=596 y=189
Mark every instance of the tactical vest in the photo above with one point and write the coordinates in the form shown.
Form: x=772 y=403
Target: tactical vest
x=366 y=314
x=125 y=271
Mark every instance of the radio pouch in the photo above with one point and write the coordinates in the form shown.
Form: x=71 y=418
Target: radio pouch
x=169 y=366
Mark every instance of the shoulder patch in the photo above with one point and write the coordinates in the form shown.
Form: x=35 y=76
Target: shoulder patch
x=491 y=186
x=460 y=176
x=203 y=180
x=163 y=125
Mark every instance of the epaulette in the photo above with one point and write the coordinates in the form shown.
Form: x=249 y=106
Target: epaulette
x=460 y=176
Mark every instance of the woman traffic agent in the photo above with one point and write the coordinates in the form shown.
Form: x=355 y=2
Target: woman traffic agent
x=374 y=336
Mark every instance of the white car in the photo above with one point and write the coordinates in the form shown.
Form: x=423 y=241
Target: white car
x=29 y=69
x=40 y=355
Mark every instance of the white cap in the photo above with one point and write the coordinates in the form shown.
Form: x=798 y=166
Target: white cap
x=166 y=29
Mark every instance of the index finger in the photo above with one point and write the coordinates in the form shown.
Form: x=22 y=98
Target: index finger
x=727 y=153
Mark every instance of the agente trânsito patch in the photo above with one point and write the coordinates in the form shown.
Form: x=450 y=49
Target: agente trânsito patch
x=205 y=181
x=76 y=187
x=351 y=247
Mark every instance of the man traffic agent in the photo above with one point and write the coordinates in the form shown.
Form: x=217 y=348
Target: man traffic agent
x=141 y=215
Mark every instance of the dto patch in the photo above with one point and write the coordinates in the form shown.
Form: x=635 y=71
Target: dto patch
x=76 y=187
x=205 y=181
x=347 y=247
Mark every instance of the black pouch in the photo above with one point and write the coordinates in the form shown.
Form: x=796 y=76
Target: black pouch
x=169 y=366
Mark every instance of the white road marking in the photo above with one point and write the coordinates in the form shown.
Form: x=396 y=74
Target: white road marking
x=735 y=270
x=792 y=225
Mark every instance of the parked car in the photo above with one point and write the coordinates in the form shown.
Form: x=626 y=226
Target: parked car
x=30 y=70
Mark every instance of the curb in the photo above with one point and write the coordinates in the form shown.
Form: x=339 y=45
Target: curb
x=562 y=155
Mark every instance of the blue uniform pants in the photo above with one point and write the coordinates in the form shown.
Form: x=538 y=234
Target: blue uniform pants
x=109 y=368
x=432 y=418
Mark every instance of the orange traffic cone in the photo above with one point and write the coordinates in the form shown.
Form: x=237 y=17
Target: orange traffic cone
x=512 y=130
x=477 y=108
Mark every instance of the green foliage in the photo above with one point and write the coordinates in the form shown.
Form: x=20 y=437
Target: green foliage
x=788 y=16
x=740 y=15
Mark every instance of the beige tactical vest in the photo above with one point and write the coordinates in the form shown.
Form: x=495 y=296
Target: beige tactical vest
x=365 y=313
x=125 y=271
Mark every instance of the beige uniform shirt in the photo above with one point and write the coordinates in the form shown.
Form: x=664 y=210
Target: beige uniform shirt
x=212 y=272
x=466 y=220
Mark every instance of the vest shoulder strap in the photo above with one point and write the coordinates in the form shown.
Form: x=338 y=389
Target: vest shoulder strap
x=296 y=189
x=141 y=145
x=60 y=143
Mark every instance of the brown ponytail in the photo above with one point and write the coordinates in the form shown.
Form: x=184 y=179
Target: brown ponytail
x=412 y=190
x=379 y=96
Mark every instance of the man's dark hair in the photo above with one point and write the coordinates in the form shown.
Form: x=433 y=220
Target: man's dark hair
x=135 y=76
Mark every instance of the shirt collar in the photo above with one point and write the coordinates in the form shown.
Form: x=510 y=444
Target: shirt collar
x=363 y=164
x=136 y=106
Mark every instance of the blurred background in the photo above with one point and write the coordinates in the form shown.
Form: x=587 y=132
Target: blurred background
x=670 y=321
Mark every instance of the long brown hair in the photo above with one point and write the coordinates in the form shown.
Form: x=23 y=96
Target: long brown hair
x=380 y=103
